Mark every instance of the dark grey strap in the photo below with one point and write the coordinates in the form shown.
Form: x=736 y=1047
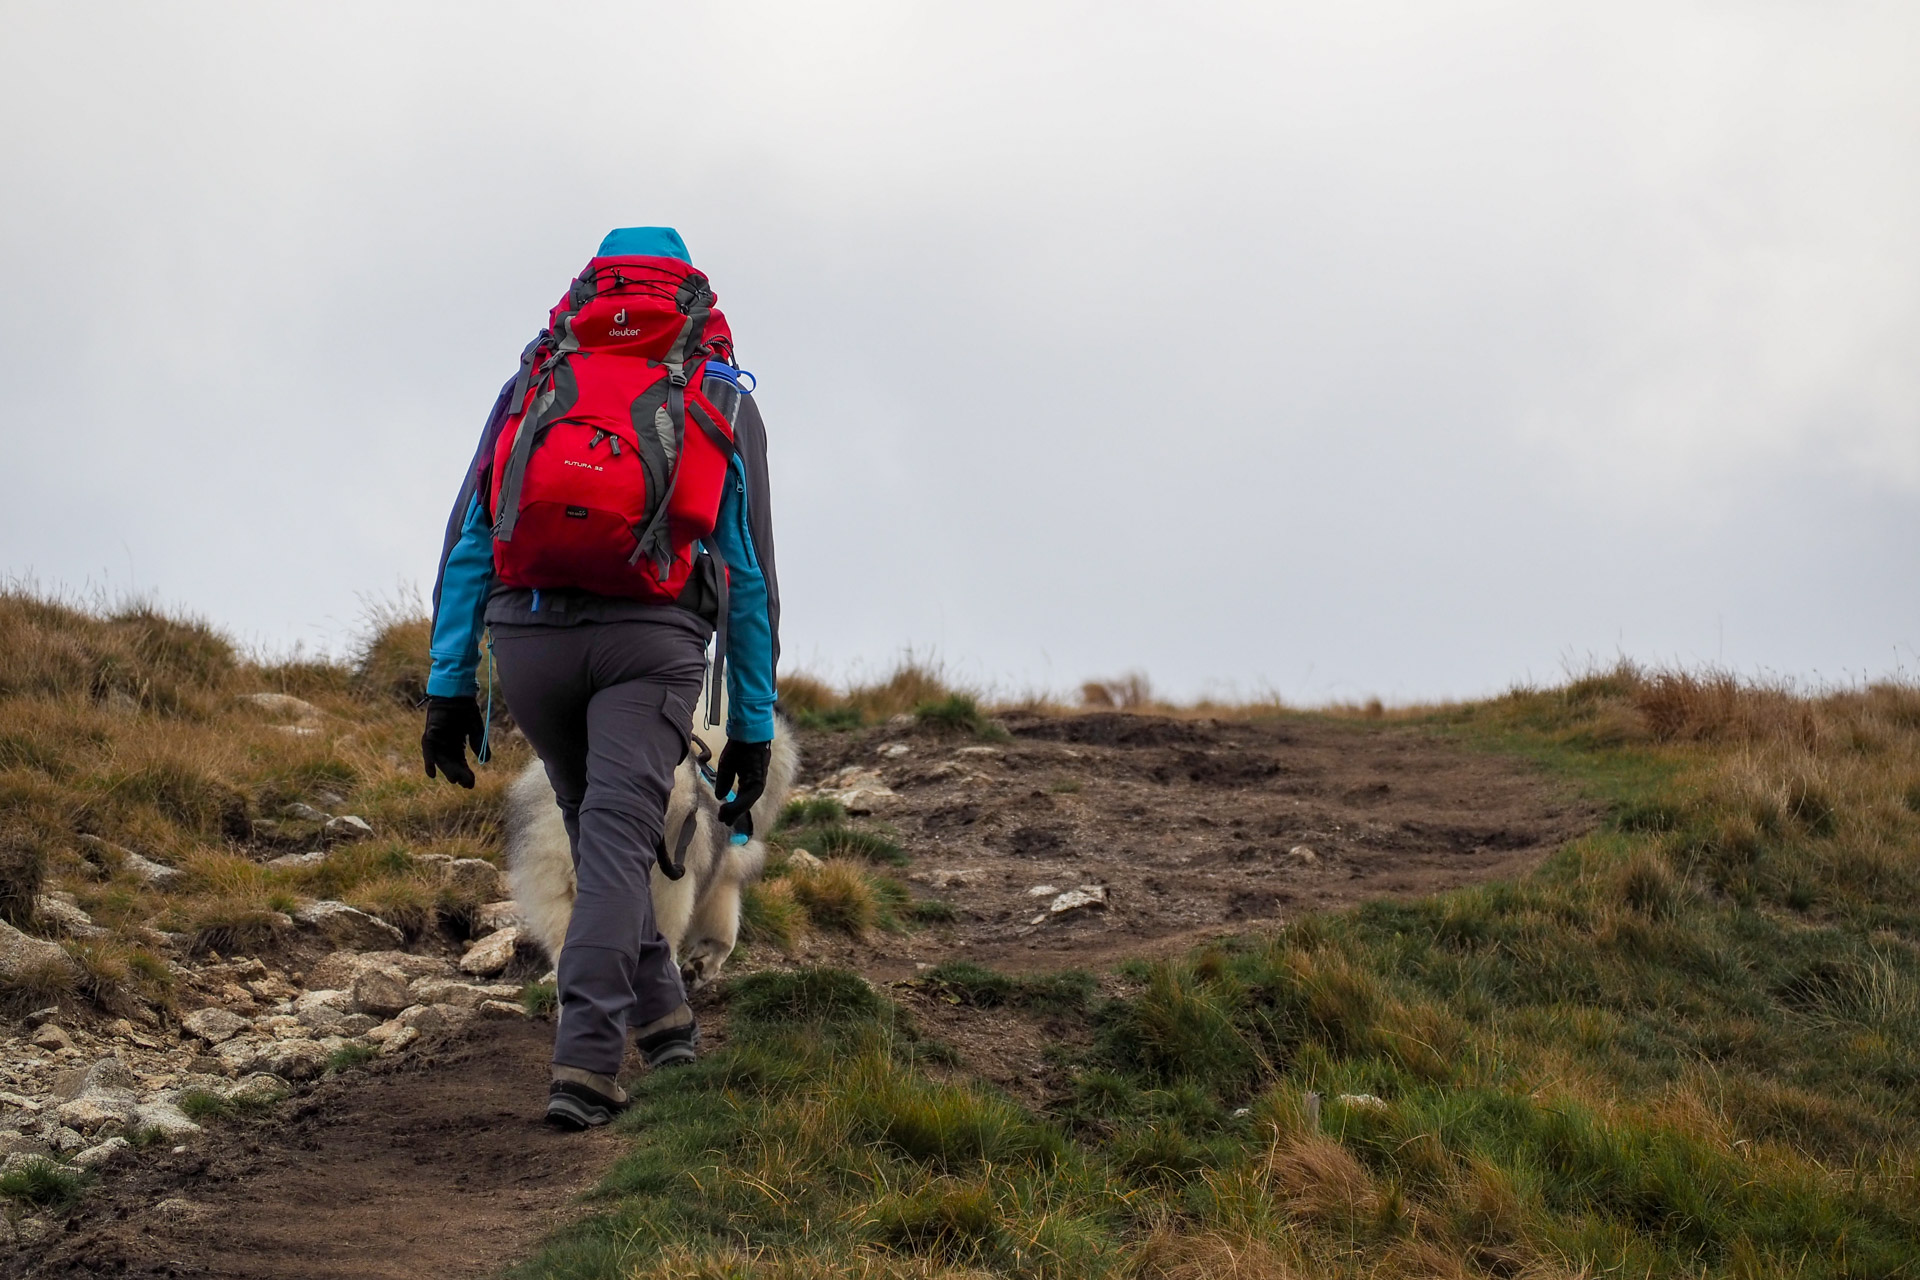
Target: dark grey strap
x=719 y=672
x=547 y=409
x=676 y=866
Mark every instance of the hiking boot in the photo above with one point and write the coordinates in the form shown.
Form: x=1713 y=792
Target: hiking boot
x=672 y=1041
x=579 y=1099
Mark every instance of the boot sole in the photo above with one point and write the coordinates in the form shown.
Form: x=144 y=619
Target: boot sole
x=567 y=1112
x=682 y=1054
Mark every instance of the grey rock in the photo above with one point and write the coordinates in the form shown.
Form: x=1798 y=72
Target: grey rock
x=475 y=879
x=502 y=1009
x=399 y=1040
x=381 y=990
x=303 y=813
x=434 y=1019
x=103 y=1154
x=20 y=1161
x=100 y=1110
x=39 y=1016
x=214 y=1024
x=357 y=1024
x=164 y=1116
x=13 y=1142
x=109 y=1073
x=464 y=995
x=283 y=704
x=294 y=1059
x=347 y=827
x=51 y=1037
x=259 y=1087
x=25 y=961
x=495 y=915
x=59 y=911
x=151 y=873
x=315 y=858
x=347 y=926
x=240 y=1055
x=342 y=967
x=61 y=1138
x=492 y=954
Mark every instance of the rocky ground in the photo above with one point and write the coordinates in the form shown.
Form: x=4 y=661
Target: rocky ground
x=411 y=1075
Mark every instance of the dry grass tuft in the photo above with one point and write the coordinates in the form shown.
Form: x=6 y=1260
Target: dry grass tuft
x=1318 y=1179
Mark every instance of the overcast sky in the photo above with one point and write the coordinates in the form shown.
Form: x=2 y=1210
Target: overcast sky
x=1342 y=349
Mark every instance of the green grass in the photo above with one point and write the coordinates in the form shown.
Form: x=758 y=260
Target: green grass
x=347 y=1057
x=1689 y=1044
x=47 y=1185
x=541 y=999
x=958 y=713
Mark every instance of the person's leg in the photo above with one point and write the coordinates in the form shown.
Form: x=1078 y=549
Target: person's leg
x=646 y=677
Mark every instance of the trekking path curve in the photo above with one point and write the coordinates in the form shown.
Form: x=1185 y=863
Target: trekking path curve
x=1172 y=830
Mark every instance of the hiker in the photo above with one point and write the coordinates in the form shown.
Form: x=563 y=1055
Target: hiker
x=614 y=519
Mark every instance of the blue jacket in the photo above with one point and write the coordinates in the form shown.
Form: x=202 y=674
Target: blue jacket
x=465 y=593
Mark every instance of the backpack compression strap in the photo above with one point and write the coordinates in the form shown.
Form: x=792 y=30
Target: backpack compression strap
x=662 y=444
x=550 y=405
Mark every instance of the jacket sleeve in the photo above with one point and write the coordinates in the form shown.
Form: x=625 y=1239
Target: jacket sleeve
x=743 y=534
x=465 y=578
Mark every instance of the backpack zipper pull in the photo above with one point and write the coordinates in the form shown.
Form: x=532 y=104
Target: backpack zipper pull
x=598 y=436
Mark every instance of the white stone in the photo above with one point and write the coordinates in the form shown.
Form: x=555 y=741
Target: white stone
x=338 y=970
x=502 y=1009
x=894 y=750
x=164 y=1116
x=953 y=877
x=240 y=1055
x=348 y=926
x=340 y=1002
x=491 y=954
x=1303 y=854
x=313 y=859
x=108 y=1073
x=857 y=790
x=1363 y=1101
x=103 y=1154
x=214 y=1024
x=150 y=872
x=465 y=995
x=380 y=990
x=302 y=812
x=19 y=1102
x=283 y=704
x=399 y=1040
x=259 y=1087
x=92 y=1112
x=801 y=860
x=347 y=827
x=435 y=1019
x=62 y=913
x=1042 y=890
x=25 y=960
x=295 y=1059
x=979 y=752
x=1087 y=895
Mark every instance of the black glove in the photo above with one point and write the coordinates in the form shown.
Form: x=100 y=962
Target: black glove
x=452 y=724
x=745 y=762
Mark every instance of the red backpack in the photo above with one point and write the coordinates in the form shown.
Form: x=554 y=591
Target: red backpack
x=597 y=483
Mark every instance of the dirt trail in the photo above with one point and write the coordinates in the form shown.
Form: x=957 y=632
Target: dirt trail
x=438 y=1166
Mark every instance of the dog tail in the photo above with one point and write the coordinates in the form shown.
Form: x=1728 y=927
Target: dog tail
x=539 y=860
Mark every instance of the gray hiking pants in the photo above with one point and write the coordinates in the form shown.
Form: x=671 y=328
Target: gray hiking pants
x=608 y=705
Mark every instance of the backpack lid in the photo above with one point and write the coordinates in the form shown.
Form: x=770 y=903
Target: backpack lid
x=644 y=242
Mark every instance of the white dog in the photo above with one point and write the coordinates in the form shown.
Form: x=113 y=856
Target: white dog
x=698 y=914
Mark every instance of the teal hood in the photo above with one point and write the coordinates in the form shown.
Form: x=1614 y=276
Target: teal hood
x=644 y=242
